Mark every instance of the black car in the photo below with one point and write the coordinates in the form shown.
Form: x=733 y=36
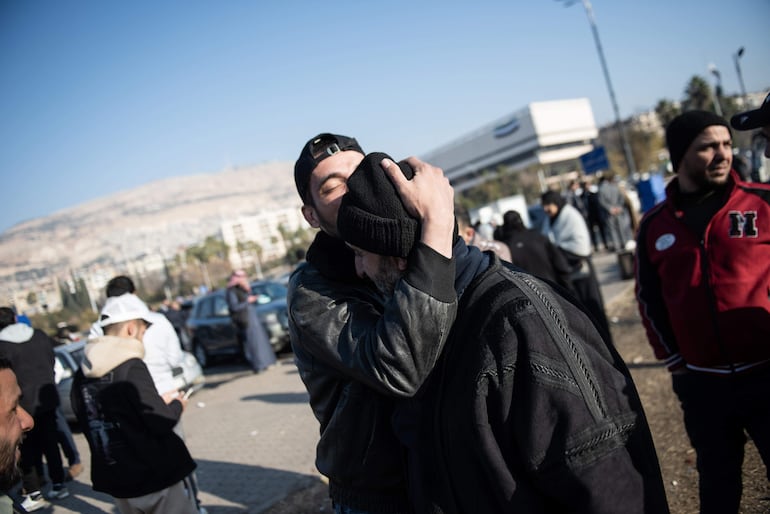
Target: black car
x=211 y=333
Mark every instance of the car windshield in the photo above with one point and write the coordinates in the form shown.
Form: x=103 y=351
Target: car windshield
x=268 y=291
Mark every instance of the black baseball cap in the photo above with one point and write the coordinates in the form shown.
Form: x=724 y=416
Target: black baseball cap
x=315 y=151
x=750 y=120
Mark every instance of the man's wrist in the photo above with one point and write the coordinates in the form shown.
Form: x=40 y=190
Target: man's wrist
x=438 y=234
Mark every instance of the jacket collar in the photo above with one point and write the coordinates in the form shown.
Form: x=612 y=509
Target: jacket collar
x=470 y=262
x=333 y=258
x=105 y=353
x=16 y=333
x=673 y=192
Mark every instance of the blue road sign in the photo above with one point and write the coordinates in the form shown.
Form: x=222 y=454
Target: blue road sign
x=595 y=160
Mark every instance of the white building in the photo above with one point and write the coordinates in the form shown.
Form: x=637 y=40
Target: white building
x=262 y=229
x=550 y=134
x=43 y=291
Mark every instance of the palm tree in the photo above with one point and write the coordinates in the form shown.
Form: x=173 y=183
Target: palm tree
x=666 y=111
x=698 y=95
x=255 y=251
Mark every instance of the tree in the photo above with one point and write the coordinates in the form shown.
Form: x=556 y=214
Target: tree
x=697 y=95
x=255 y=251
x=645 y=147
x=210 y=248
x=666 y=111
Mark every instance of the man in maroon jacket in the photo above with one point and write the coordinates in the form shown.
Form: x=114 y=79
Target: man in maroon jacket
x=703 y=286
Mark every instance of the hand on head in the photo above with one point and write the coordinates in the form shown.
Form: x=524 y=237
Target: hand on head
x=429 y=197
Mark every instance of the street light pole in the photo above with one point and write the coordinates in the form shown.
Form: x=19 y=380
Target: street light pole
x=618 y=124
x=717 y=88
x=736 y=57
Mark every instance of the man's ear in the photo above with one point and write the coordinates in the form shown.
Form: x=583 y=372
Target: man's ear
x=311 y=216
x=467 y=234
x=132 y=328
x=402 y=263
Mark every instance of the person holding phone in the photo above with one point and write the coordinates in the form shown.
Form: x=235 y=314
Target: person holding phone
x=136 y=457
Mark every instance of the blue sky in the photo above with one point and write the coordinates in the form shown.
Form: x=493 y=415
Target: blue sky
x=98 y=97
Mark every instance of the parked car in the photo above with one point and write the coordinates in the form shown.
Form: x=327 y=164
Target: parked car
x=68 y=359
x=211 y=333
x=189 y=374
x=268 y=290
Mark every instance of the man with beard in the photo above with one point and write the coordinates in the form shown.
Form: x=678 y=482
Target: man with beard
x=702 y=283
x=30 y=351
x=14 y=422
x=527 y=409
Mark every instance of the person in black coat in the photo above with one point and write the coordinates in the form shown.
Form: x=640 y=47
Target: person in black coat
x=136 y=457
x=533 y=252
x=30 y=352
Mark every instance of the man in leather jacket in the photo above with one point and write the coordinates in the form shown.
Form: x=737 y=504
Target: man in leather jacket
x=356 y=350
x=528 y=408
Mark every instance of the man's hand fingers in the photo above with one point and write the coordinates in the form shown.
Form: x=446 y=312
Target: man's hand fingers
x=407 y=189
x=394 y=174
x=429 y=191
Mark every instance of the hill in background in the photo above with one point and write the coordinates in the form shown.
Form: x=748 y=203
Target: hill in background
x=158 y=217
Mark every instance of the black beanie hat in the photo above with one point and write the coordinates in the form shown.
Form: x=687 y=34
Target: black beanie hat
x=371 y=215
x=683 y=130
x=316 y=150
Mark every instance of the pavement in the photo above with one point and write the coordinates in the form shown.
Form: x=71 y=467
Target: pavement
x=254 y=436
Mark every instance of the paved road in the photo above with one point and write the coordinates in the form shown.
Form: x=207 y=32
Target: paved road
x=254 y=436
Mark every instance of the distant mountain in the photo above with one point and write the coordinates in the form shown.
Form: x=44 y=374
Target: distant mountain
x=159 y=216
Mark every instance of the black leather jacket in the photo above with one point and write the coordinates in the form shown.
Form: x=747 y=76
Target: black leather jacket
x=357 y=353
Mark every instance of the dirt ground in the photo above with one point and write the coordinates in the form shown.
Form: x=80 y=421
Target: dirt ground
x=677 y=458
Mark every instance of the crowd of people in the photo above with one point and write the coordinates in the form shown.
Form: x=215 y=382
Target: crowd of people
x=449 y=370
x=138 y=454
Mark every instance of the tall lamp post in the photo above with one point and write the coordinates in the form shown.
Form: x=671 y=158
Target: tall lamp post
x=737 y=58
x=618 y=124
x=717 y=88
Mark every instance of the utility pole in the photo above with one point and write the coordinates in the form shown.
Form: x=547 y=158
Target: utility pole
x=618 y=123
x=717 y=88
x=737 y=58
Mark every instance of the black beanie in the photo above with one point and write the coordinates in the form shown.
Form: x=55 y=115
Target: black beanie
x=371 y=215
x=683 y=130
